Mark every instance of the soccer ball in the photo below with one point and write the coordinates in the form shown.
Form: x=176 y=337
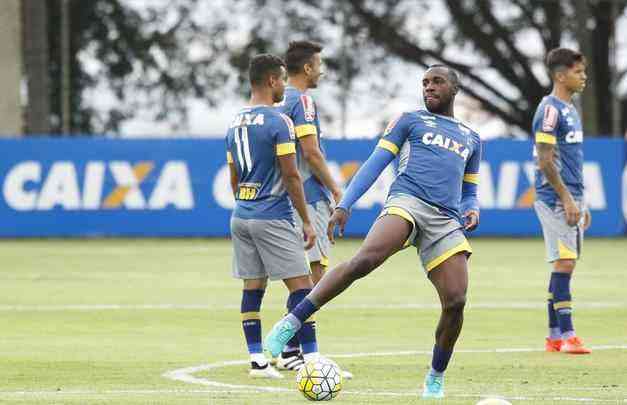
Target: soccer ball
x=319 y=379
x=493 y=401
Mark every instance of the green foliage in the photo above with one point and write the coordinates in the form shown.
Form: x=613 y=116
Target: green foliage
x=161 y=55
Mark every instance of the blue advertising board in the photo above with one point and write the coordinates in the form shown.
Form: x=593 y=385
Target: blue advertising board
x=122 y=187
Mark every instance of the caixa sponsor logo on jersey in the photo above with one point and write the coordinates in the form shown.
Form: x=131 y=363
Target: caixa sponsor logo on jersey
x=98 y=185
x=574 y=137
x=510 y=185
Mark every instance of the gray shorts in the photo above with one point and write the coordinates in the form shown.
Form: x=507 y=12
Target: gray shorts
x=319 y=215
x=270 y=248
x=562 y=241
x=436 y=236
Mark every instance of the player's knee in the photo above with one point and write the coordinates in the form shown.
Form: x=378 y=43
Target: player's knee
x=564 y=265
x=455 y=303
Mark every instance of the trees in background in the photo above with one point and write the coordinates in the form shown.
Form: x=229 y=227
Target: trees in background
x=156 y=58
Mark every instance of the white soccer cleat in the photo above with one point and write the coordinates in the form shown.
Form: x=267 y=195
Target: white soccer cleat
x=294 y=362
x=266 y=371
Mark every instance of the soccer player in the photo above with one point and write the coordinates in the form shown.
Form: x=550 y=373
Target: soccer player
x=261 y=156
x=559 y=190
x=430 y=204
x=304 y=69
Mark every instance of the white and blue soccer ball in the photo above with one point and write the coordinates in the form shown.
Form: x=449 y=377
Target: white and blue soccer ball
x=319 y=379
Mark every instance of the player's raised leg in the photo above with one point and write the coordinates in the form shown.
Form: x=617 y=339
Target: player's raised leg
x=386 y=237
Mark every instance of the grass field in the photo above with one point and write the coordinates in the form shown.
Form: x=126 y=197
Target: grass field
x=107 y=321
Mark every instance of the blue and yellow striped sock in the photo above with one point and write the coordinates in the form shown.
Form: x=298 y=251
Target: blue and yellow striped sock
x=251 y=321
x=307 y=333
x=563 y=303
x=554 y=328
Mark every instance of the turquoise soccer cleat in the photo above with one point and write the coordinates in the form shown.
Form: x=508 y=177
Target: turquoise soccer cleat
x=278 y=337
x=433 y=387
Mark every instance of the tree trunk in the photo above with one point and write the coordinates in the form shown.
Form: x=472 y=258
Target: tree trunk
x=589 y=101
x=36 y=66
x=10 y=68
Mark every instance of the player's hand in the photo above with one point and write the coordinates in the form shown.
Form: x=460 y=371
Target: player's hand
x=339 y=218
x=309 y=235
x=587 y=219
x=573 y=214
x=471 y=220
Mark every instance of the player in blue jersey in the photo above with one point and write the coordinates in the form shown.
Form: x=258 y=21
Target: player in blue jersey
x=304 y=69
x=430 y=204
x=559 y=190
x=261 y=156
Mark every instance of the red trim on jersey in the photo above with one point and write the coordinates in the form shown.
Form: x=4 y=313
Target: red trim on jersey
x=549 y=122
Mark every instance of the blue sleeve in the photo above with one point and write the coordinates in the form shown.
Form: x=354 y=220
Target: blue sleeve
x=366 y=176
x=395 y=134
x=284 y=136
x=547 y=124
x=471 y=181
x=304 y=116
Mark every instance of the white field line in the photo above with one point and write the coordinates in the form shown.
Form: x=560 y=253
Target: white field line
x=186 y=375
x=410 y=393
x=126 y=307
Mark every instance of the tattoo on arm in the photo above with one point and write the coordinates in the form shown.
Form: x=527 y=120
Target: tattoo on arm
x=546 y=153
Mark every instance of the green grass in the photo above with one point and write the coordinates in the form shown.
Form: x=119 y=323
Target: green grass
x=100 y=322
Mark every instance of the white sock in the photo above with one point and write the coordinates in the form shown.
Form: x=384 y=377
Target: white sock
x=259 y=358
x=311 y=356
x=555 y=333
x=568 y=335
x=436 y=373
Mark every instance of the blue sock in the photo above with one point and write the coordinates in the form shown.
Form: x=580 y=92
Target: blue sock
x=562 y=303
x=303 y=310
x=251 y=321
x=307 y=332
x=440 y=360
x=554 y=329
x=292 y=300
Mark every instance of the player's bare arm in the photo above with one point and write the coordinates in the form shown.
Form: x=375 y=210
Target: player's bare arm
x=233 y=177
x=546 y=152
x=318 y=164
x=293 y=183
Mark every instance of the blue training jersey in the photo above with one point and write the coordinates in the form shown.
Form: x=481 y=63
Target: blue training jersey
x=557 y=123
x=436 y=155
x=254 y=139
x=302 y=110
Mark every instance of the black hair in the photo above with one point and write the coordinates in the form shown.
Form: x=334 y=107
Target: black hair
x=452 y=75
x=559 y=59
x=299 y=53
x=263 y=65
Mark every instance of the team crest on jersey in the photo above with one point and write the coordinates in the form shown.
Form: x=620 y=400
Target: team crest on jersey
x=309 y=108
x=549 y=122
x=391 y=125
x=429 y=121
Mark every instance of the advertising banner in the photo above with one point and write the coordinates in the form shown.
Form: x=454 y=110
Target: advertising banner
x=95 y=187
